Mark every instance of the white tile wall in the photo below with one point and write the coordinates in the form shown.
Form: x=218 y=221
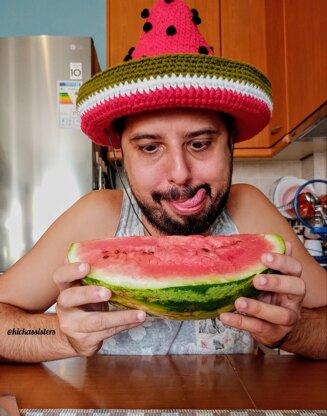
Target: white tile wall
x=263 y=173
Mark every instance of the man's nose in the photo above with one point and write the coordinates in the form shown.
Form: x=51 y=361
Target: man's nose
x=179 y=170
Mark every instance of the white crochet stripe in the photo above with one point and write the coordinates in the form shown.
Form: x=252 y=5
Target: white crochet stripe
x=173 y=81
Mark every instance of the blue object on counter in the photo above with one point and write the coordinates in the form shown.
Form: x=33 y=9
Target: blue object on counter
x=321 y=231
x=322 y=260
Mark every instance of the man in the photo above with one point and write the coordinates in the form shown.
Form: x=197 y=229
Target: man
x=176 y=112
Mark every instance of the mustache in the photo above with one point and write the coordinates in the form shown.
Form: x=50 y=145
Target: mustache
x=175 y=193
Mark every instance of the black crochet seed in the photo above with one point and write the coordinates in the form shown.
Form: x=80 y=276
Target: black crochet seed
x=131 y=50
x=195 y=12
x=203 y=49
x=168 y=1
x=145 y=13
x=196 y=20
x=171 y=30
x=128 y=58
x=147 y=26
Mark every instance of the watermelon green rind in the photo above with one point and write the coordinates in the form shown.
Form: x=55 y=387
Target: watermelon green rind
x=184 y=302
x=178 y=296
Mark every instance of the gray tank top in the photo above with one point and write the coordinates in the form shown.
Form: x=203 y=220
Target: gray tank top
x=157 y=336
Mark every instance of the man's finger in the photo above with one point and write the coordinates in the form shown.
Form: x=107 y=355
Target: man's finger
x=73 y=297
x=102 y=321
x=276 y=283
x=262 y=331
x=282 y=263
x=90 y=339
x=267 y=312
x=288 y=249
x=67 y=274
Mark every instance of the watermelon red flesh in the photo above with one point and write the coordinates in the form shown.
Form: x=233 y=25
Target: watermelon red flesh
x=178 y=277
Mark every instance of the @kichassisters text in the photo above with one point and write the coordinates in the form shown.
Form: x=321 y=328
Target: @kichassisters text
x=24 y=331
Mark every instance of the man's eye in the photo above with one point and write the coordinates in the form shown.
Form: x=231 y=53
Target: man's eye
x=199 y=145
x=149 y=148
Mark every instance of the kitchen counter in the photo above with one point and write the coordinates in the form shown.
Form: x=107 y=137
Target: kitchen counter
x=169 y=382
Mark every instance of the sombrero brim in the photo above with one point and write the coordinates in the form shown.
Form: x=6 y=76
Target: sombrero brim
x=175 y=80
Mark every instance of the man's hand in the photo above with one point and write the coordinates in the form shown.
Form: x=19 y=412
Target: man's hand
x=273 y=315
x=83 y=311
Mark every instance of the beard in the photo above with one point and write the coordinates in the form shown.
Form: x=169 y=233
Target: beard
x=198 y=223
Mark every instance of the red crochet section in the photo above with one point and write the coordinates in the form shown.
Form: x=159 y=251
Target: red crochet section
x=170 y=29
x=251 y=114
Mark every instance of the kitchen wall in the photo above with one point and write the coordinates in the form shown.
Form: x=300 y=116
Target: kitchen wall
x=56 y=17
x=262 y=173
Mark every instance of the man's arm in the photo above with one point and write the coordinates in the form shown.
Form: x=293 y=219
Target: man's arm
x=309 y=336
x=27 y=289
x=27 y=337
x=278 y=312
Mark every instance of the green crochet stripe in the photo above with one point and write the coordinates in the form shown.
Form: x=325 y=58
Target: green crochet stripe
x=185 y=64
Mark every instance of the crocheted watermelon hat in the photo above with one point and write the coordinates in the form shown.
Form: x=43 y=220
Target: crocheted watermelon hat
x=173 y=66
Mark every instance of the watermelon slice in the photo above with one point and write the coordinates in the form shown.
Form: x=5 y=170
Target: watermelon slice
x=177 y=277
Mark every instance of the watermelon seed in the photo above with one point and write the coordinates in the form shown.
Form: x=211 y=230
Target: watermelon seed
x=105 y=256
x=205 y=249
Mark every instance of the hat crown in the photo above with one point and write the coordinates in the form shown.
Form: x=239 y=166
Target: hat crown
x=171 y=28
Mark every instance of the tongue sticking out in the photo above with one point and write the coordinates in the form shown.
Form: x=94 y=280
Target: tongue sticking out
x=190 y=204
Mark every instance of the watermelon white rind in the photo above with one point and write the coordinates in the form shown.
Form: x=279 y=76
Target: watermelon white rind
x=191 y=277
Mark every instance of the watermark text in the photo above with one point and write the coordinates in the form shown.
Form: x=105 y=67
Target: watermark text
x=24 y=331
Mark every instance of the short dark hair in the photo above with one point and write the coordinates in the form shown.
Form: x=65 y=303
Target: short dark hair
x=118 y=126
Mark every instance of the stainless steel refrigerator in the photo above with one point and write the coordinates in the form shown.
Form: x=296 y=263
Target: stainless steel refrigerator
x=46 y=162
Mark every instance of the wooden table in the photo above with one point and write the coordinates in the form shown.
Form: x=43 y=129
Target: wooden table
x=169 y=382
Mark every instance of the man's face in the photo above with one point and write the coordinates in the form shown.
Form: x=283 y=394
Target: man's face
x=178 y=164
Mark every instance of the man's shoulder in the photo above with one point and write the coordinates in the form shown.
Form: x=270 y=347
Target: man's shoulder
x=243 y=195
x=251 y=209
x=98 y=212
x=101 y=199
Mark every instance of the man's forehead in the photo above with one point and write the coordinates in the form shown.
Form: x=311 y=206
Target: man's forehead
x=164 y=116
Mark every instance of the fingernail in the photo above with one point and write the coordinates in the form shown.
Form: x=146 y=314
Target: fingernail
x=82 y=267
x=269 y=257
x=224 y=318
x=140 y=316
x=103 y=293
x=242 y=304
x=262 y=280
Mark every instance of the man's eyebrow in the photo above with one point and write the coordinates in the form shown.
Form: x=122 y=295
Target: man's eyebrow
x=141 y=136
x=188 y=135
x=201 y=132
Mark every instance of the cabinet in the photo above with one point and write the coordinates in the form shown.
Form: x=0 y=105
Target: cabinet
x=252 y=31
x=306 y=54
x=285 y=39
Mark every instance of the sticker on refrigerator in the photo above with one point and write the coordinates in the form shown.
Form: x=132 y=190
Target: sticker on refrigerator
x=75 y=70
x=67 y=94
